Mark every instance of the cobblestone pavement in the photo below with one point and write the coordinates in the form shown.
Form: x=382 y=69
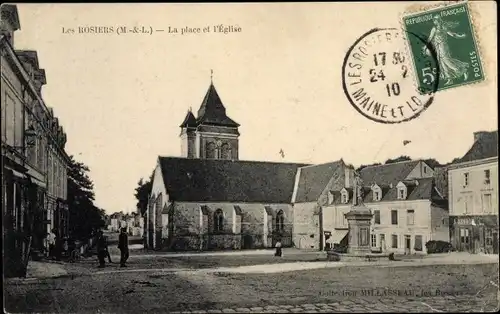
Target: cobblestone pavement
x=424 y=305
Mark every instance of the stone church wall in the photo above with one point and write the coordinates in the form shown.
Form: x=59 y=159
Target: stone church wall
x=194 y=229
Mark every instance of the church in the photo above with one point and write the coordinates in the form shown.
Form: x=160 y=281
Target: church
x=209 y=199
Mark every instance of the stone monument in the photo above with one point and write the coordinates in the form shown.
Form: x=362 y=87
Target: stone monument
x=359 y=221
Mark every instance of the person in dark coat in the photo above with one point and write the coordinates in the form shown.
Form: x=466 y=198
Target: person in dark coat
x=123 y=246
x=102 y=249
x=278 y=248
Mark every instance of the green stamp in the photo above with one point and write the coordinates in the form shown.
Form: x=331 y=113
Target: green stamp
x=447 y=35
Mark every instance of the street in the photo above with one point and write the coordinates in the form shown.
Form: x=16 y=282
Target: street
x=208 y=283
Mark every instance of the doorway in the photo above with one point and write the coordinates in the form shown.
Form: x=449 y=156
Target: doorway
x=407 y=244
x=465 y=239
x=382 y=242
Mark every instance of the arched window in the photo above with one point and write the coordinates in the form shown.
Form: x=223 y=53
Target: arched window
x=218 y=220
x=210 y=151
x=225 y=151
x=280 y=221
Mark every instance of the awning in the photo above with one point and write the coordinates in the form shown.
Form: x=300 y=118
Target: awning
x=337 y=236
x=16 y=174
x=38 y=182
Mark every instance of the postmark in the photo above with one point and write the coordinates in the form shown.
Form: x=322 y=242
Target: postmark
x=377 y=77
x=449 y=31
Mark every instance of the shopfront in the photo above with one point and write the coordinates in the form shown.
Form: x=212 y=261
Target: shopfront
x=474 y=234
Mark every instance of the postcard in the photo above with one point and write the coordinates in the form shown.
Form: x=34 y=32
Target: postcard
x=250 y=157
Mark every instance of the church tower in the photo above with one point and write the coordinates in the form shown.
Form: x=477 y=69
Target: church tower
x=211 y=135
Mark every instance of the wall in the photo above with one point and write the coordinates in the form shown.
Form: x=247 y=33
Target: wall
x=189 y=224
x=421 y=226
x=224 y=138
x=12 y=106
x=421 y=171
x=306 y=227
x=475 y=190
x=440 y=223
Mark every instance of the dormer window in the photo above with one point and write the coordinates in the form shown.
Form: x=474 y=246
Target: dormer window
x=344 y=194
x=377 y=193
x=402 y=191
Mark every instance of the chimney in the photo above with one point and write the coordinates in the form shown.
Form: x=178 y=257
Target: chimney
x=9 y=22
x=479 y=135
x=348 y=174
x=29 y=58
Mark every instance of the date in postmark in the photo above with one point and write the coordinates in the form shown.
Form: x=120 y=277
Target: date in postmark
x=448 y=31
x=377 y=77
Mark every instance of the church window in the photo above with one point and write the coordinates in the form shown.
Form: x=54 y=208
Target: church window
x=280 y=221
x=211 y=151
x=225 y=151
x=218 y=220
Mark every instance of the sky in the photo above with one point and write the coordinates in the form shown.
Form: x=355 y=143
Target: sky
x=121 y=98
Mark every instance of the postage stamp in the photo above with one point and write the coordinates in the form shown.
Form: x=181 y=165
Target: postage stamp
x=377 y=77
x=448 y=33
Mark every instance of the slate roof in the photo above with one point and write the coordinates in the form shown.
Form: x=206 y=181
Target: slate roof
x=424 y=190
x=214 y=180
x=314 y=179
x=212 y=111
x=387 y=174
x=189 y=120
x=485 y=147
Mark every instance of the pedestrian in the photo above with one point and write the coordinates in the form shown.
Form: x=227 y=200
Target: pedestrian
x=123 y=246
x=278 y=248
x=102 y=249
x=51 y=241
x=107 y=251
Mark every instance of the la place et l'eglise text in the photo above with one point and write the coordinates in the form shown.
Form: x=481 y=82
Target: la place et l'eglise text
x=220 y=28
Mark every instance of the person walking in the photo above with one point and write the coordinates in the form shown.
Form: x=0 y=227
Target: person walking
x=278 y=248
x=123 y=246
x=102 y=249
x=51 y=241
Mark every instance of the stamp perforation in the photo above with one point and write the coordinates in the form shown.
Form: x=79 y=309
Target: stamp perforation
x=429 y=9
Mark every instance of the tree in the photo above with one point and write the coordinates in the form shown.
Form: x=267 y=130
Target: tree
x=85 y=217
x=142 y=194
x=398 y=159
x=364 y=166
x=433 y=163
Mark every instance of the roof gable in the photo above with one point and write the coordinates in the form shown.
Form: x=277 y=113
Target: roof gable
x=211 y=180
x=212 y=111
x=387 y=174
x=314 y=179
x=485 y=147
x=189 y=120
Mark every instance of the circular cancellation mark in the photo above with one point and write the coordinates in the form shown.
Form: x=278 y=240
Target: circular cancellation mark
x=378 y=76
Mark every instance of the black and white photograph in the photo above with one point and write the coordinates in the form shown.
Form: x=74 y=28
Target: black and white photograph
x=259 y=157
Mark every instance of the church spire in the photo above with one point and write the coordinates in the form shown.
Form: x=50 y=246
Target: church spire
x=211 y=77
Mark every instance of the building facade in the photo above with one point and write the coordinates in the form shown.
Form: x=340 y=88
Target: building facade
x=473 y=193
x=209 y=199
x=34 y=173
x=408 y=210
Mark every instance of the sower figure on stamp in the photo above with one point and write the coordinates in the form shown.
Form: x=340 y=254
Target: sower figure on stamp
x=449 y=67
x=123 y=246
